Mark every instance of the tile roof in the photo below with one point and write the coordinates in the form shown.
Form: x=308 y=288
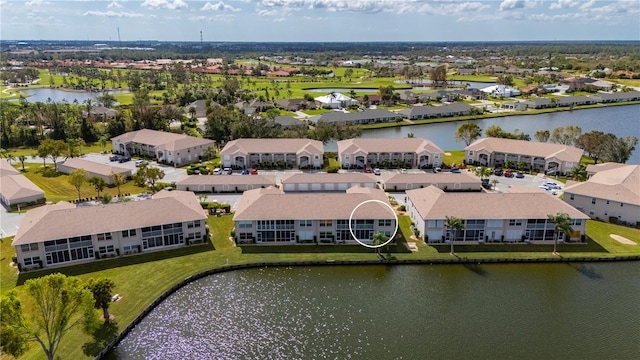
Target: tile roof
x=64 y=220
x=531 y=148
x=226 y=180
x=328 y=178
x=619 y=184
x=15 y=186
x=250 y=146
x=166 y=140
x=94 y=167
x=389 y=145
x=464 y=177
x=433 y=203
x=271 y=204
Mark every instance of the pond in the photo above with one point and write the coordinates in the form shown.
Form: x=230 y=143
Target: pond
x=57 y=95
x=501 y=311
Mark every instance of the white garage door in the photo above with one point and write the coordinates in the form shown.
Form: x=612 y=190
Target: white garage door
x=289 y=187
x=305 y=235
x=342 y=186
x=303 y=187
x=329 y=187
x=369 y=185
x=316 y=187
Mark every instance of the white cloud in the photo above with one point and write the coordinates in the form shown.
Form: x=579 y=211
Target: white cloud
x=451 y=8
x=563 y=4
x=216 y=18
x=114 y=5
x=111 y=13
x=34 y=3
x=218 y=7
x=268 y=12
x=166 y=4
x=506 y=5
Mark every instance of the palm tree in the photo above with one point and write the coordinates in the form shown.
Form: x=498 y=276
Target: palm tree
x=22 y=159
x=378 y=239
x=578 y=173
x=118 y=180
x=453 y=224
x=494 y=182
x=562 y=224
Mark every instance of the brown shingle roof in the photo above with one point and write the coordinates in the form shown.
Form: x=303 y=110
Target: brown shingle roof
x=531 y=148
x=270 y=204
x=433 y=203
x=64 y=220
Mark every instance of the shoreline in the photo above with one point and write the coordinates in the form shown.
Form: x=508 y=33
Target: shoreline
x=491 y=115
x=382 y=262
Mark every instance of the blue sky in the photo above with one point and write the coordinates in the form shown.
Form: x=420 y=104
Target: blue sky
x=321 y=20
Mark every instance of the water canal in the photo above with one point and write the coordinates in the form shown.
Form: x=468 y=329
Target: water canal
x=500 y=311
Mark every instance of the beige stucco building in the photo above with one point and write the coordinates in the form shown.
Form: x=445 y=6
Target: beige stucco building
x=544 y=157
x=165 y=147
x=327 y=182
x=296 y=153
x=15 y=189
x=517 y=216
x=404 y=152
x=269 y=216
x=612 y=194
x=63 y=234
x=447 y=181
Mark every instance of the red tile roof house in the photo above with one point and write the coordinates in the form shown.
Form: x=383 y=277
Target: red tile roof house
x=92 y=168
x=296 y=153
x=224 y=183
x=407 y=152
x=304 y=182
x=63 y=234
x=546 y=157
x=611 y=194
x=517 y=216
x=169 y=148
x=271 y=217
x=16 y=190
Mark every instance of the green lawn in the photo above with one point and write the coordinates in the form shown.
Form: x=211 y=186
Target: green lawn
x=453 y=157
x=86 y=149
x=56 y=185
x=141 y=278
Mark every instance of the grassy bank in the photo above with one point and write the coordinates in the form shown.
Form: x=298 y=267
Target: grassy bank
x=142 y=278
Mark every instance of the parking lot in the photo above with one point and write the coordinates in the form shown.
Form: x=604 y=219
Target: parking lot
x=171 y=174
x=533 y=181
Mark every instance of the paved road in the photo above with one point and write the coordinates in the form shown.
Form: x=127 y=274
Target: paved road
x=9 y=222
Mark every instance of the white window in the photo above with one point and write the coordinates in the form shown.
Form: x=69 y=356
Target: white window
x=470 y=153
x=245 y=224
x=306 y=223
x=384 y=222
x=127 y=233
x=109 y=249
x=32 y=261
x=515 y=222
x=347 y=156
x=29 y=247
x=103 y=237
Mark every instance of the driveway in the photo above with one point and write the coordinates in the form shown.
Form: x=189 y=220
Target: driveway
x=529 y=181
x=9 y=222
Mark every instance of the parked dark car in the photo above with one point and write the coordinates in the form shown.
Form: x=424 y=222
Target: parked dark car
x=114 y=158
x=498 y=172
x=520 y=175
x=245 y=172
x=455 y=171
x=124 y=159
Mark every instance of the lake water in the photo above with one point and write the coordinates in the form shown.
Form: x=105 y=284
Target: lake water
x=505 y=311
x=618 y=120
x=43 y=95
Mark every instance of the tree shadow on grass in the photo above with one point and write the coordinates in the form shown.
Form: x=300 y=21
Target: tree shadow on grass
x=101 y=338
x=588 y=246
x=116 y=262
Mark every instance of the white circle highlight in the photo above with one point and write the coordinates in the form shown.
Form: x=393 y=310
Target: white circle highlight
x=393 y=211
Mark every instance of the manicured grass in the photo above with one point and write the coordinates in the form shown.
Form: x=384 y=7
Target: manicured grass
x=142 y=278
x=86 y=149
x=56 y=185
x=455 y=157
